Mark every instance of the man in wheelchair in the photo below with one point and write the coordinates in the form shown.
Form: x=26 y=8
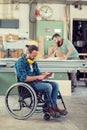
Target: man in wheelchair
x=28 y=72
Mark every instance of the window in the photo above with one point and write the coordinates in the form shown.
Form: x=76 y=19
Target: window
x=9 y=23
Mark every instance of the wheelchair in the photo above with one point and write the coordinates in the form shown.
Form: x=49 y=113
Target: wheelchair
x=22 y=101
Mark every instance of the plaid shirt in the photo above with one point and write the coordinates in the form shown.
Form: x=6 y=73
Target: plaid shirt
x=23 y=69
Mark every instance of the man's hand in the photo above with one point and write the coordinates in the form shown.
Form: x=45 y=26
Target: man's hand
x=41 y=77
x=47 y=74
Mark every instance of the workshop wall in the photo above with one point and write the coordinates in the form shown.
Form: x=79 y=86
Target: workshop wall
x=20 y=12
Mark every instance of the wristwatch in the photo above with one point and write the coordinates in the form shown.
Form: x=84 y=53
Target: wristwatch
x=45 y=11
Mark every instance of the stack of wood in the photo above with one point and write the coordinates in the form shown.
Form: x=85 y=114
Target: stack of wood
x=16 y=53
x=41 y=45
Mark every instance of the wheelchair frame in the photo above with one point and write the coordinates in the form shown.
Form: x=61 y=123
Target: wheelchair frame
x=23 y=106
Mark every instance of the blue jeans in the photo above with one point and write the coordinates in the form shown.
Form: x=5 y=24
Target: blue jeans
x=50 y=90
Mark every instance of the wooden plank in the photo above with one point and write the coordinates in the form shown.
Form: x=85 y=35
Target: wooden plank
x=41 y=45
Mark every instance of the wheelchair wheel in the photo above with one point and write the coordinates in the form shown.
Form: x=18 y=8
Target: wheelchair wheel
x=21 y=100
x=46 y=116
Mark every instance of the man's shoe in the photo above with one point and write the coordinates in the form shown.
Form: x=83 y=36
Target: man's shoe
x=60 y=111
x=52 y=112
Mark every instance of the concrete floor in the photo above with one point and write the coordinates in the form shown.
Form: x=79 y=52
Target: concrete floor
x=75 y=120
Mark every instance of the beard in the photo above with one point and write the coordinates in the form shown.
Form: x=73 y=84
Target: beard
x=58 y=43
x=31 y=58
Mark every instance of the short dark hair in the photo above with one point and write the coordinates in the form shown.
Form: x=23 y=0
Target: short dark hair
x=55 y=35
x=32 y=48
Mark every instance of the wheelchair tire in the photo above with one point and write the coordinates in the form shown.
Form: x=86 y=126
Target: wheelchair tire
x=46 y=116
x=21 y=105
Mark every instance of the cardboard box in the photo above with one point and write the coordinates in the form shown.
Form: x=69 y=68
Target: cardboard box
x=2 y=53
x=16 y=53
x=1 y=40
x=11 y=37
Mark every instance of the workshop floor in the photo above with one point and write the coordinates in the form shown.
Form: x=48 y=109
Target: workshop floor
x=75 y=120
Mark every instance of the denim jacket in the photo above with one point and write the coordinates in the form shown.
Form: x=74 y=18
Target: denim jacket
x=23 y=69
